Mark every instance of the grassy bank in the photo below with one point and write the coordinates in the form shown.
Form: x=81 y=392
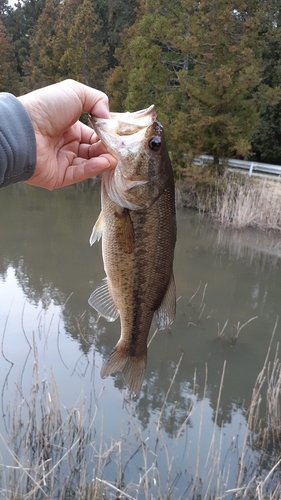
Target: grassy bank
x=234 y=199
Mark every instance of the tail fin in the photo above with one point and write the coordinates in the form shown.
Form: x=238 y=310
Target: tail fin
x=131 y=367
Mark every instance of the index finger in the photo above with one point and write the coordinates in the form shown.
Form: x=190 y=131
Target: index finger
x=101 y=108
x=94 y=101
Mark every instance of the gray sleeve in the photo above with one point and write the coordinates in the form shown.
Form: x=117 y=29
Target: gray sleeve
x=17 y=141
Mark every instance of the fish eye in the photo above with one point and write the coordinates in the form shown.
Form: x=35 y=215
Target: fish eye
x=155 y=143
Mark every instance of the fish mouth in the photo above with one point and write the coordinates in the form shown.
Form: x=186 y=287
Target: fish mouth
x=126 y=136
x=123 y=124
x=141 y=118
x=124 y=131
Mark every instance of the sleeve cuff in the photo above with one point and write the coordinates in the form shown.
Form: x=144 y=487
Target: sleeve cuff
x=17 y=141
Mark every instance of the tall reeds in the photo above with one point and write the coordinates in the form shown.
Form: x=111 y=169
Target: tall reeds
x=234 y=199
x=251 y=203
x=56 y=453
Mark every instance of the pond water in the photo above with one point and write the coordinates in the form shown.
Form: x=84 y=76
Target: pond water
x=184 y=434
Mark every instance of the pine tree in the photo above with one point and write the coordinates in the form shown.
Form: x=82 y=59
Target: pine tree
x=267 y=139
x=149 y=62
x=61 y=52
x=115 y=16
x=5 y=9
x=43 y=64
x=196 y=62
x=223 y=73
x=8 y=77
x=20 y=23
x=85 y=54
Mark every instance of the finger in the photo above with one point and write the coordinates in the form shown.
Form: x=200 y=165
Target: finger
x=81 y=133
x=112 y=161
x=87 y=134
x=93 y=101
x=101 y=108
x=97 y=149
x=83 y=150
x=84 y=170
x=87 y=152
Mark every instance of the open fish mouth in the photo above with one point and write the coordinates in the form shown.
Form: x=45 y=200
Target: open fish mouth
x=124 y=123
x=124 y=131
x=128 y=137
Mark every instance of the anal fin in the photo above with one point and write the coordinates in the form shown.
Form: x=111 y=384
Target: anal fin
x=165 y=314
x=97 y=230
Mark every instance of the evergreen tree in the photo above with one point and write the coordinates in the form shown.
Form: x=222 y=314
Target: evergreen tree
x=43 y=64
x=20 y=23
x=149 y=61
x=85 y=55
x=115 y=16
x=8 y=77
x=195 y=62
x=5 y=9
x=65 y=21
x=267 y=139
x=224 y=71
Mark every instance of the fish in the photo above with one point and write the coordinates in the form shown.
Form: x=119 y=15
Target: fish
x=137 y=225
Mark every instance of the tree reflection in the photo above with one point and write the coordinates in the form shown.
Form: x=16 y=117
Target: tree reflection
x=45 y=241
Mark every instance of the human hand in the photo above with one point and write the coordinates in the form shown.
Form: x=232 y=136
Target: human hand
x=67 y=150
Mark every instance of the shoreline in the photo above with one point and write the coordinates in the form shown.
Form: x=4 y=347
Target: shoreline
x=234 y=200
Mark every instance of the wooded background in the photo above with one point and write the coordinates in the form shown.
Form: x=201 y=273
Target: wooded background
x=212 y=68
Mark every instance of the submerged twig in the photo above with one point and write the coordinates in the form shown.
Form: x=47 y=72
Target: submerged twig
x=3 y=337
x=22 y=314
x=239 y=328
x=192 y=297
x=168 y=391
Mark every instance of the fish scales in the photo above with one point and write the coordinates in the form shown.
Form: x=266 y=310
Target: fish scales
x=144 y=273
x=137 y=243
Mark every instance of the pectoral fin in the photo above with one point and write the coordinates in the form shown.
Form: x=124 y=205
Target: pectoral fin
x=165 y=314
x=97 y=230
x=124 y=231
x=116 y=189
x=102 y=302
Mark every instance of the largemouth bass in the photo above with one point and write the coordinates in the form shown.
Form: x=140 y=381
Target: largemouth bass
x=138 y=228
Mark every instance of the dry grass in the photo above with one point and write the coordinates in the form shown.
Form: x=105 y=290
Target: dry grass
x=252 y=203
x=234 y=199
x=46 y=453
x=49 y=448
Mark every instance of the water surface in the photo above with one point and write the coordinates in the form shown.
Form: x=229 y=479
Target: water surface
x=228 y=289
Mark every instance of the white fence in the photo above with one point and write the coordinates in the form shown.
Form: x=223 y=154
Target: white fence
x=251 y=166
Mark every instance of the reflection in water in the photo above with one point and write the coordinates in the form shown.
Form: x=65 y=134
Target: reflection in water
x=228 y=287
x=262 y=247
x=46 y=242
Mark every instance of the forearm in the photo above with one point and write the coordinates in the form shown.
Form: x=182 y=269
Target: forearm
x=17 y=142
